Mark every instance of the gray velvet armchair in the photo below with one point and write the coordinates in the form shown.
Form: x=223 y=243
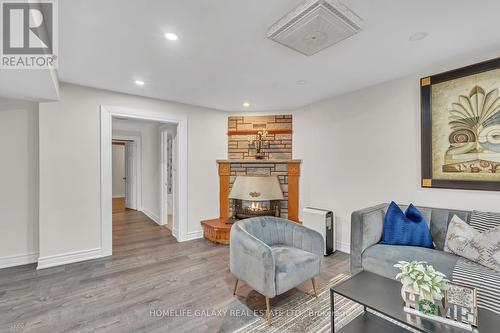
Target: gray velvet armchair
x=274 y=255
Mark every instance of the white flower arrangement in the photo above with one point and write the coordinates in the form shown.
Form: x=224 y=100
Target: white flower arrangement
x=422 y=279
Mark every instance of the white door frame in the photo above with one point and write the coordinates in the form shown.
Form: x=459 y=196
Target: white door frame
x=163 y=165
x=138 y=163
x=107 y=112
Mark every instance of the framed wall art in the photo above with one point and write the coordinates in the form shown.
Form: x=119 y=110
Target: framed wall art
x=460 y=128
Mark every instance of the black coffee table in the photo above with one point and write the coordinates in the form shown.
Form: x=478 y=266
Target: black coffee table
x=384 y=296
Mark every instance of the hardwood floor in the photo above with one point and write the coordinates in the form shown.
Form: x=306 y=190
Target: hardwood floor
x=150 y=284
x=119 y=205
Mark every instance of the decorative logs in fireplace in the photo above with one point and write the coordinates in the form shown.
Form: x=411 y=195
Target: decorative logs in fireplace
x=256 y=196
x=246 y=209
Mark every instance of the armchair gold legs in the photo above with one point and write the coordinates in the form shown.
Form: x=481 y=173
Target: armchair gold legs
x=314 y=287
x=268 y=311
x=268 y=305
x=235 y=287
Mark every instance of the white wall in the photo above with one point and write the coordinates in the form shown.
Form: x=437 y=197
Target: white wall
x=363 y=148
x=150 y=144
x=18 y=182
x=118 y=158
x=70 y=206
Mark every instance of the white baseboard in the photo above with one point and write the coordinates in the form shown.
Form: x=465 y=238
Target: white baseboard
x=18 y=260
x=152 y=216
x=193 y=235
x=343 y=247
x=68 y=258
x=118 y=197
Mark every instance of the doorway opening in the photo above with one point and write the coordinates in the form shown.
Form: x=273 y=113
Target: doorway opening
x=125 y=165
x=152 y=145
x=144 y=165
x=119 y=179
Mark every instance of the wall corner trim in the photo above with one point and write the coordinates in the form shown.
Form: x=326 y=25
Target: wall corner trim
x=69 y=258
x=152 y=216
x=193 y=235
x=18 y=260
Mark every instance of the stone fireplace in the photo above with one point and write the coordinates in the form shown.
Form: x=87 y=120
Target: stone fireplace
x=269 y=157
x=287 y=171
x=277 y=159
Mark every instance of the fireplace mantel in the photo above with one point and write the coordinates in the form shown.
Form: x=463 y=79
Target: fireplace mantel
x=259 y=161
x=287 y=170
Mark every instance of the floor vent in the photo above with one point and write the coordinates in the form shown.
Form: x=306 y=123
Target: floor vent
x=315 y=25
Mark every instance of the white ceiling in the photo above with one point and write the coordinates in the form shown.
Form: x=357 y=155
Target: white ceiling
x=222 y=56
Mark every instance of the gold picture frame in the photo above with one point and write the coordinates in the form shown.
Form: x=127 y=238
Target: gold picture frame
x=460 y=128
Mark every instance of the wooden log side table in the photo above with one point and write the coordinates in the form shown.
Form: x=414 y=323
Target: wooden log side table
x=216 y=230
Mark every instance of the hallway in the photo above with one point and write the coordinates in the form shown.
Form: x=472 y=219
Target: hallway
x=135 y=234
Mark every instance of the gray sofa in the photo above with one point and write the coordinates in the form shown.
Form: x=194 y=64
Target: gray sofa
x=366 y=230
x=274 y=255
x=366 y=254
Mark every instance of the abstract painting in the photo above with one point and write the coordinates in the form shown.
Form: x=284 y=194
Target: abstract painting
x=461 y=128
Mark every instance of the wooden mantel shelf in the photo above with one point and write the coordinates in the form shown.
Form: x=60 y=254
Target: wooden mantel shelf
x=255 y=131
x=258 y=161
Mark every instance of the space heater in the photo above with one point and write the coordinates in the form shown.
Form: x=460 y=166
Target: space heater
x=322 y=221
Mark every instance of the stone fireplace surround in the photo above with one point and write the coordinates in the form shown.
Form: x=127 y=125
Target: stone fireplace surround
x=288 y=172
x=279 y=130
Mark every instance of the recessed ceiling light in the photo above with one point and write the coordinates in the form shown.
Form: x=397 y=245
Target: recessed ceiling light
x=171 y=36
x=245 y=104
x=139 y=82
x=418 y=36
x=301 y=82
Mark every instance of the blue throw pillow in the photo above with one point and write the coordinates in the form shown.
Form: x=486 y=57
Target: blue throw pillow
x=407 y=228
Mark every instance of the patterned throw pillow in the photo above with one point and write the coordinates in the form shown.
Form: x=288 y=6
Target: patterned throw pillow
x=480 y=247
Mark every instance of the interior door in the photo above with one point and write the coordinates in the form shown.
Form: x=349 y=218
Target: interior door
x=130 y=175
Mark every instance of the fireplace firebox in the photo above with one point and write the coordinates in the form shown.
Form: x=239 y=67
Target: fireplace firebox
x=255 y=196
x=244 y=209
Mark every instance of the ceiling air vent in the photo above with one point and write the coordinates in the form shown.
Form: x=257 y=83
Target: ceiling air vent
x=315 y=25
